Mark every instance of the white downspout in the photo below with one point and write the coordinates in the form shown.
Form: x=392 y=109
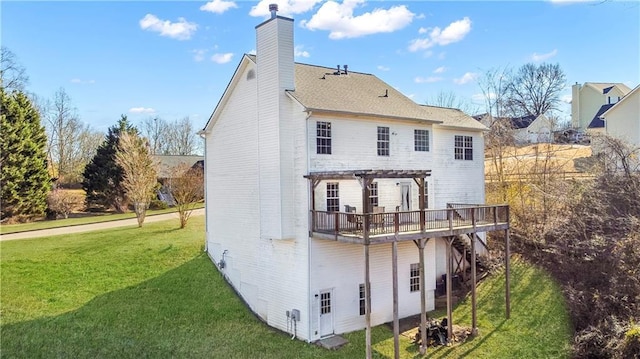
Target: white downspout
x=309 y=294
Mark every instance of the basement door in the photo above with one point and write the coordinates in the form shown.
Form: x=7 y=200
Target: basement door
x=326 y=313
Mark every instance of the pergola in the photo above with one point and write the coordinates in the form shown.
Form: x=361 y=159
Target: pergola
x=420 y=236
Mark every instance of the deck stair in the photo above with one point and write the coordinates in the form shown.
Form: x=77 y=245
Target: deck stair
x=462 y=244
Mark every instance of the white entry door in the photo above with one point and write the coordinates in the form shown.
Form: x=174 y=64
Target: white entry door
x=406 y=197
x=326 y=313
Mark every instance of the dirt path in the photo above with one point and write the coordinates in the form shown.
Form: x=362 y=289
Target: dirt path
x=94 y=226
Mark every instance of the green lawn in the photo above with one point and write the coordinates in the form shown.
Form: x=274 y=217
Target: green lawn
x=150 y=293
x=98 y=217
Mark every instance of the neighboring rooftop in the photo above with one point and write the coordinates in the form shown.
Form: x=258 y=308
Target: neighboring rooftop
x=598 y=122
x=605 y=87
x=168 y=162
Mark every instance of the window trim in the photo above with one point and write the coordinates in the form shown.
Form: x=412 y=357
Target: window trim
x=333 y=196
x=420 y=140
x=361 y=299
x=414 y=277
x=373 y=194
x=323 y=138
x=383 y=144
x=463 y=147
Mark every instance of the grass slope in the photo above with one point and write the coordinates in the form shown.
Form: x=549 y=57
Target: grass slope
x=151 y=293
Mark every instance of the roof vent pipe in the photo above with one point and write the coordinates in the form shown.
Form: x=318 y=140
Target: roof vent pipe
x=345 y=69
x=273 y=8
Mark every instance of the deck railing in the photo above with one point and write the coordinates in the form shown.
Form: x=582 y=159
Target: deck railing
x=386 y=223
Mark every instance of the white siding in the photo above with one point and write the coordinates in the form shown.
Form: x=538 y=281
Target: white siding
x=623 y=121
x=340 y=266
x=271 y=274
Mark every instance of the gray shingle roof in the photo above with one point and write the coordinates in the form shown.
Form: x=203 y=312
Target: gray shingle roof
x=597 y=122
x=318 y=89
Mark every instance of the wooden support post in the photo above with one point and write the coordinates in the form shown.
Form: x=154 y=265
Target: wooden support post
x=507 y=269
x=367 y=301
x=396 y=321
x=449 y=288
x=474 y=321
x=423 y=301
x=367 y=279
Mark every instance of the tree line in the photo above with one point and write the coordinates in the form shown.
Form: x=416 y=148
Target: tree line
x=114 y=170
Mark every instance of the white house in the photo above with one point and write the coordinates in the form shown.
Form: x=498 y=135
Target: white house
x=622 y=120
x=591 y=100
x=299 y=156
x=526 y=129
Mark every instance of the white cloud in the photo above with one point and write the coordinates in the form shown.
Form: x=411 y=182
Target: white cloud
x=218 y=6
x=423 y=30
x=299 y=51
x=566 y=98
x=542 y=57
x=466 y=78
x=141 y=110
x=222 y=58
x=180 y=30
x=455 y=32
x=82 y=82
x=383 y=68
x=340 y=21
x=198 y=54
x=440 y=70
x=480 y=98
x=285 y=7
x=427 y=80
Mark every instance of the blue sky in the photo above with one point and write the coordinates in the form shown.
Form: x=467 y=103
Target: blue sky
x=174 y=59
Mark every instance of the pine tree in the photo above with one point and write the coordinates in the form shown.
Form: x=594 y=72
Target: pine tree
x=23 y=160
x=103 y=176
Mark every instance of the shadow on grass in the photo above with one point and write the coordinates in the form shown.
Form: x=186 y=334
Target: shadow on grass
x=187 y=312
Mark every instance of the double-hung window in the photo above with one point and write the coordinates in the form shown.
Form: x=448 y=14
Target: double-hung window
x=361 y=299
x=421 y=140
x=383 y=141
x=373 y=194
x=414 y=277
x=463 y=148
x=333 y=198
x=323 y=138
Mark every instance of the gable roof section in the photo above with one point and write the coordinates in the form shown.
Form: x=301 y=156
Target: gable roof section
x=633 y=92
x=597 y=121
x=605 y=87
x=227 y=91
x=166 y=163
x=519 y=123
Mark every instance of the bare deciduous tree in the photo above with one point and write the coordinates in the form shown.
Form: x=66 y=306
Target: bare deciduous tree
x=71 y=143
x=451 y=100
x=187 y=188
x=155 y=130
x=171 y=138
x=140 y=172
x=535 y=89
x=13 y=76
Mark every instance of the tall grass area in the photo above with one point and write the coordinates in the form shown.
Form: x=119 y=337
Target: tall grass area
x=150 y=292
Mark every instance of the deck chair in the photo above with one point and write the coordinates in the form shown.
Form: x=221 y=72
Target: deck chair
x=351 y=217
x=377 y=219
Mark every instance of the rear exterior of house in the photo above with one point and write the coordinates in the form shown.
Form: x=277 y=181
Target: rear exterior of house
x=279 y=123
x=592 y=99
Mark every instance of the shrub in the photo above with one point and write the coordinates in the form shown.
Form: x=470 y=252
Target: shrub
x=157 y=204
x=63 y=202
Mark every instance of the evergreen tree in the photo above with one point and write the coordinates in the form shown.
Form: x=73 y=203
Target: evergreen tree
x=103 y=176
x=23 y=160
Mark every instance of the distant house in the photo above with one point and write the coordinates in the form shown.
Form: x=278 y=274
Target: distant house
x=166 y=172
x=321 y=180
x=526 y=129
x=622 y=119
x=591 y=100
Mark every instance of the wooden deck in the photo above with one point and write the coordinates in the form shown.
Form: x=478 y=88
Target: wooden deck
x=411 y=225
